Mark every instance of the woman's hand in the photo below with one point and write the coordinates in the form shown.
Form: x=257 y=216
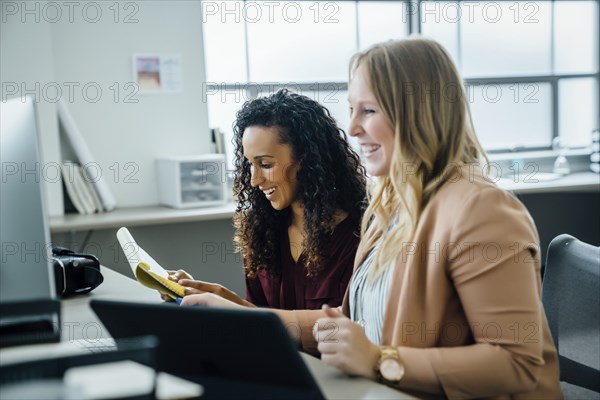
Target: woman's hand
x=199 y=287
x=208 y=300
x=344 y=345
x=175 y=276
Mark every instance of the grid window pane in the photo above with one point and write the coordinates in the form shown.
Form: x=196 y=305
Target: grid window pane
x=578 y=110
x=312 y=42
x=379 y=21
x=505 y=38
x=513 y=115
x=302 y=42
x=223 y=104
x=224 y=41
x=439 y=21
x=576 y=36
x=336 y=101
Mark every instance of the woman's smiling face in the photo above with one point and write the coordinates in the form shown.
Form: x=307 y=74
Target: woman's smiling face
x=368 y=124
x=272 y=166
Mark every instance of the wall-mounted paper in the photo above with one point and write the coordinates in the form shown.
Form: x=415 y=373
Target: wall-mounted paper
x=155 y=73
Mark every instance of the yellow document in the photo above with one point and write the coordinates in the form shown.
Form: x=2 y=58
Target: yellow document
x=146 y=270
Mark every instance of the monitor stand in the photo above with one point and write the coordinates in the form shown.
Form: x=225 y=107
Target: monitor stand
x=29 y=322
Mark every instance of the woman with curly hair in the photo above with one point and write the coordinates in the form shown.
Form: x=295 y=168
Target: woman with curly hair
x=300 y=193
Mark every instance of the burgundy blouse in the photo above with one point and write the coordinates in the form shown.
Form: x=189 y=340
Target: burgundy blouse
x=293 y=290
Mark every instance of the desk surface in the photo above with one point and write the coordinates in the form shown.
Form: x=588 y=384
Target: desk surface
x=78 y=321
x=156 y=215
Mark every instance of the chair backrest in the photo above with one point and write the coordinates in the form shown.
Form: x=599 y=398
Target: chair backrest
x=571 y=298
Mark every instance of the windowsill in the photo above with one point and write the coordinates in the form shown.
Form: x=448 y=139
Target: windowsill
x=538 y=154
x=535 y=183
x=533 y=162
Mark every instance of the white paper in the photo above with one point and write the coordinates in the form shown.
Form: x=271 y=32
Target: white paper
x=135 y=254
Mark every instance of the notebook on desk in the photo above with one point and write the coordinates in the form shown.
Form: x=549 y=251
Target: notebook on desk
x=232 y=353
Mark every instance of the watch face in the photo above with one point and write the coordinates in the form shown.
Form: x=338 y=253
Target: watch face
x=391 y=369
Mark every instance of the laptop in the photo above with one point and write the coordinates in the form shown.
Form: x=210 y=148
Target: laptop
x=232 y=353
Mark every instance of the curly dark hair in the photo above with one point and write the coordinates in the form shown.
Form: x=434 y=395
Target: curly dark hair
x=330 y=178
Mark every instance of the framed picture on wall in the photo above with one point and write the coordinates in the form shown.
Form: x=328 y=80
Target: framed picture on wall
x=158 y=73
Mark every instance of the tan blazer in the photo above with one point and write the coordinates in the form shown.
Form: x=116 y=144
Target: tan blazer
x=465 y=299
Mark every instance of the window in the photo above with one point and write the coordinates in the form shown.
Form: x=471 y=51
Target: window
x=531 y=68
x=308 y=42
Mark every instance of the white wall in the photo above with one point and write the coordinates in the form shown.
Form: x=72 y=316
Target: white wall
x=26 y=60
x=75 y=51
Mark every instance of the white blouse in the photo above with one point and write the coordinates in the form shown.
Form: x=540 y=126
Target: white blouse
x=368 y=301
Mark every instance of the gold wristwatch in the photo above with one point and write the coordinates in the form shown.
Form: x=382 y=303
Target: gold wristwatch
x=389 y=369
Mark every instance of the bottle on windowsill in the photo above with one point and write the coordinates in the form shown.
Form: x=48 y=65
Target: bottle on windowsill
x=595 y=155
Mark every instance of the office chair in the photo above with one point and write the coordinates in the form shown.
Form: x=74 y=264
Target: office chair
x=571 y=298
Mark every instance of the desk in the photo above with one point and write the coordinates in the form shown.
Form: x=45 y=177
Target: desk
x=79 y=321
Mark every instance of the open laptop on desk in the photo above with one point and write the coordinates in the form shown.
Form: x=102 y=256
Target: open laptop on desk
x=232 y=353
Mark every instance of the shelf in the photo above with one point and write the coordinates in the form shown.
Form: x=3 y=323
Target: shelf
x=139 y=216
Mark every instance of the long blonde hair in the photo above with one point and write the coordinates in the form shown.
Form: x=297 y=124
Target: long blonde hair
x=420 y=92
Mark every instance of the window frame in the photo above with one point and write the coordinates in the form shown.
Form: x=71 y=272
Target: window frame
x=414 y=26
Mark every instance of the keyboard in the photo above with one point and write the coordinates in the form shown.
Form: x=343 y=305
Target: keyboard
x=96 y=345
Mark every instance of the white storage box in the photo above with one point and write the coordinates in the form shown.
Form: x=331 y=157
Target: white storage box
x=192 y=181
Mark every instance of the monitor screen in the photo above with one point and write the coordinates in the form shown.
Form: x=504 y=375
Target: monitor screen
x=25 y=265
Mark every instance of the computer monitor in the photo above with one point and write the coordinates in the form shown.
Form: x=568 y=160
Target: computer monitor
x=25 y=272
x=27 y=311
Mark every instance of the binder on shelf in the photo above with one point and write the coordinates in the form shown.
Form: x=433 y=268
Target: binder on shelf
x=218 y=138
x=86 y=196
x=98 y=206
x=84 y=155
x=73 y=194
x=79 y=189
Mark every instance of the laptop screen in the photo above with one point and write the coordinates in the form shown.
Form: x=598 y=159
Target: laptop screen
x=217 y=347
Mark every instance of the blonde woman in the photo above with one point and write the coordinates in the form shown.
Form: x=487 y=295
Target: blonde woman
x=445 y=295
